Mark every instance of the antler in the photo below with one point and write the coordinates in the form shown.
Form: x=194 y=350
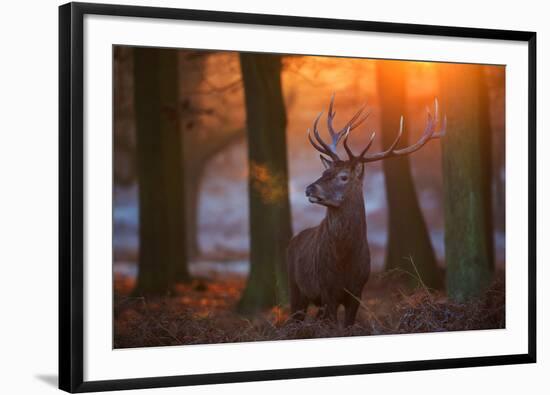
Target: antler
x=352 y=124
x=330 y=149
x=429 y=133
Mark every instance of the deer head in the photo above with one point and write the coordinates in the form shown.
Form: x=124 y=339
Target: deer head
x=342 y=178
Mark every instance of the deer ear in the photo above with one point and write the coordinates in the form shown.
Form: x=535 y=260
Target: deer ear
x=358 y=170
x=326 y=163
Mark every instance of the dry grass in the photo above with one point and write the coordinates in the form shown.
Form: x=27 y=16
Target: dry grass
x=203 y=313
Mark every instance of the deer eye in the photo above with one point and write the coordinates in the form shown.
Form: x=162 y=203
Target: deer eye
x=344 y=177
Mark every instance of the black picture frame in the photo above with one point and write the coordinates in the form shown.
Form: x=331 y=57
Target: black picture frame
x=71 y=204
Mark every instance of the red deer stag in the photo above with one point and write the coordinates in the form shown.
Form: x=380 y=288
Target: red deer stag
x=328 y=265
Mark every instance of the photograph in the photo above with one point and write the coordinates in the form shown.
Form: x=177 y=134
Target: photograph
x=272 y=197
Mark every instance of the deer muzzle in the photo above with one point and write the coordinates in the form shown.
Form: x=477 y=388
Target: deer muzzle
x=312 y=193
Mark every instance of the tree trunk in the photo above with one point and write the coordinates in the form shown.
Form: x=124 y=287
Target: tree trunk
x=407 y=231
x=486 y=142
x=201 y=141
x=193 y=179
x=497 y=102
x=270 y=226
x=162 y=259
x=124 y=172
x=468 y=244
x=197 y=154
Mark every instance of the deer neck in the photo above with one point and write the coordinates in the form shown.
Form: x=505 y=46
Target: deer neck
x=348 y=221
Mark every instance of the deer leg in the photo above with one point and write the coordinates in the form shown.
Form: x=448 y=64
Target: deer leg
x=298 y=311
x=351 y=306
x=321 y=313
x=331 y=312
x=298 y=303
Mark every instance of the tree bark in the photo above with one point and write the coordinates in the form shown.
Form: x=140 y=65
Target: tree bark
x=201 y=142
x=407 y=231
x=124 y=172
x=162 y=258
x=467 y=192
x=486 y=141
x=498 y=135
x=193 y=178
x=270 y=224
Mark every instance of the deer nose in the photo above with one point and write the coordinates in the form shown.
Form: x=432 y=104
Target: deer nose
x=310 y=189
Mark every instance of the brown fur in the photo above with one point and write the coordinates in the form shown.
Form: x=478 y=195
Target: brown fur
x=328 y=262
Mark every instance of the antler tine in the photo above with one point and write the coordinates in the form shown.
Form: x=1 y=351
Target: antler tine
x=348 y=150
x=443 y=129
x=322 y=146
x=399 y=134
x=335 y=137
x=320 y=149
x=330 y=149
x=389 y=151
x=352 y=124
x=429 y=133
x=361 y=120
x=368 y=145
x=331 y=113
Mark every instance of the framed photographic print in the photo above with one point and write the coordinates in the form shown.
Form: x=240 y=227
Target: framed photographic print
x=257 y=197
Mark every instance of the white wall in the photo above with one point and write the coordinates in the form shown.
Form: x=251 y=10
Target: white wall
x=28 y=197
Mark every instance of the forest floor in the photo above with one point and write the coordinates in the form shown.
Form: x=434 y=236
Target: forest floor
x=203 y=312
